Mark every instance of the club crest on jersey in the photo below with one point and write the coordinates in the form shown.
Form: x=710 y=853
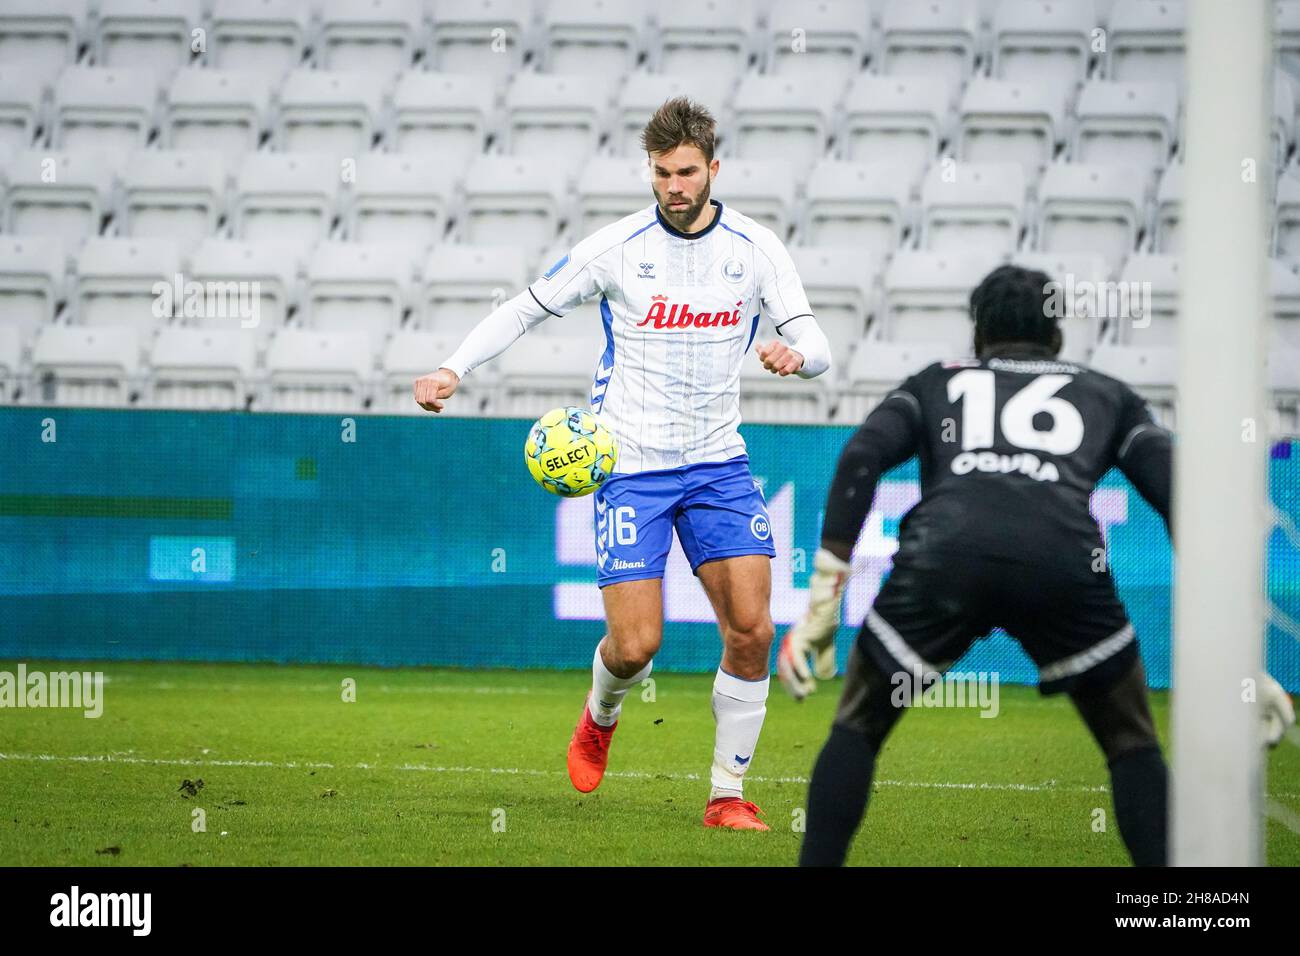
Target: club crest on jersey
x=733 y=270
x=680 y=316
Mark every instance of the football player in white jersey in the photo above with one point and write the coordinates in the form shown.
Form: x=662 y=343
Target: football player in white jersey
x=680 y=284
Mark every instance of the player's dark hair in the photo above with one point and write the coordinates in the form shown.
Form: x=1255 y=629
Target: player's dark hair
x=1012 y=305
x=680 y=121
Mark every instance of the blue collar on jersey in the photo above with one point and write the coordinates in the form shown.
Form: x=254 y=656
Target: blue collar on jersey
x=668 y=228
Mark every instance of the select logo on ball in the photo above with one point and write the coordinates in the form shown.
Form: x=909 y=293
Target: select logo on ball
x=570 y=452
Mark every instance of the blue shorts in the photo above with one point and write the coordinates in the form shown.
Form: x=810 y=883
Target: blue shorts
x=716 y=507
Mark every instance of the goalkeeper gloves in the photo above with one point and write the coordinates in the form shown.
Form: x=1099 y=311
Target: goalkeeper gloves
x=1278 y=712
x=814 y=635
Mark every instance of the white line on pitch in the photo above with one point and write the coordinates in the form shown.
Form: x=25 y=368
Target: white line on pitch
x=126 y=758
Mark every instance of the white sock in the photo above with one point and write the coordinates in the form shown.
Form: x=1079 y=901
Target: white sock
x=739 y=707
x=608 y=691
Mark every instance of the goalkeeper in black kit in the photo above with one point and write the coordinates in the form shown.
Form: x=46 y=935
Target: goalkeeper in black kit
x=1011 y=445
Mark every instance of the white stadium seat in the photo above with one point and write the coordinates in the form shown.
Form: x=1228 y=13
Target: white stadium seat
x=546 y=372
x=1286 y=27
x=178 y=195
x=412 y=353
x=116 y=282
x=31 y=283
x=1080 y=325
x=12 y=366
x=972 y=205
x=877 y=369
x=129 y=33
x=1043 y=40
x=259 y=36
x=355 y=287
x=1129 y=124
x=286 y=196
x=937 y=38
x=1169 y=210
x=442 y=114
x=104 y=109
x=1089 y=208
x=762 y=189
x=597 y=37
x=22 y=110
x=643 y=93
x=840 y=283
x=695 y=36
x=555 y=120
x=379 y=36
x=1146 y=40
x=220 y=111
x=77 y=365
x=1010 y=121
x=309 y=371
x=480 y=36
x=1286 y=238
x=1282 y=130
x=462 y=284
x=1151 y=372
x=861 y=204
x=41 y=37
x=399 y=199
x=267 y=269
x=211 y=369
x=896 y=120
x=1284 y=306
x=782 y=116
x=926 y=297
x=329 y=112
x=512 y=200
x=1159 y=274
x=610 y=188
x=1283 y=370
x=819 y=42
x=66 y=195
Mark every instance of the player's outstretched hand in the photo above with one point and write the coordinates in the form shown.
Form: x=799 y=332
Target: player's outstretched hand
x=1279 y=712
x=814 y=635
x=780 y=358
x=432 y=390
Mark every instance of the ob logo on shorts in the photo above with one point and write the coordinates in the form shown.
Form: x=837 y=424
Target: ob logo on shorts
x=759 y=527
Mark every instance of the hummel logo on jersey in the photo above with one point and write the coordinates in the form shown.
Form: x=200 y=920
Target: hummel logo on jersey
x=647 y=270
x=681 y=317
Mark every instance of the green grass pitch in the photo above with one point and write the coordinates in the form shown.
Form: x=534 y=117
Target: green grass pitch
x=467 y=768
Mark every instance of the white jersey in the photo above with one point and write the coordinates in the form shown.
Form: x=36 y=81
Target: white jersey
x=680 y=312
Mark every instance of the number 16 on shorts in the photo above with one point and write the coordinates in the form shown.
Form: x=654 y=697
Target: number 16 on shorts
x=615 y=532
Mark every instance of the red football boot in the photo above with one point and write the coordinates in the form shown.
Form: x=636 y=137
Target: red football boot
x=589 y=752
x=733 y=813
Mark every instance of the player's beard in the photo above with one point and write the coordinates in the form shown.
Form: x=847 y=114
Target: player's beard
x=681 y=219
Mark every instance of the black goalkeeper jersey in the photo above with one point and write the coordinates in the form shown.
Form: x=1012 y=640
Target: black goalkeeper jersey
x=1011 y=447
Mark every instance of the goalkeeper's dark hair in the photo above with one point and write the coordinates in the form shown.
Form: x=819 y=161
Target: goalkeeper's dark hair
x=1014 y=304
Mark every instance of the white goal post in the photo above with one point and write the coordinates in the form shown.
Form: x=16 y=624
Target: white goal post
x=1220 y=481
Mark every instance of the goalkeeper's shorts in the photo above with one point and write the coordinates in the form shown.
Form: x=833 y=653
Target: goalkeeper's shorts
x=934 y=606
x=716 y=507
